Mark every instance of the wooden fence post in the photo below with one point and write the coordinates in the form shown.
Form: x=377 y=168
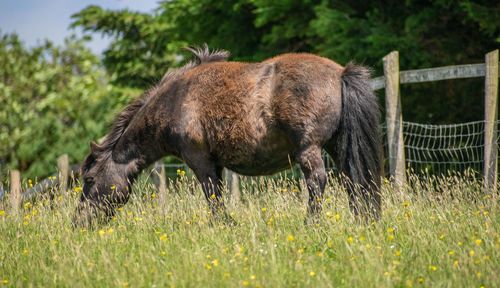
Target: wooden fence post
x=63 y=170
x=490 y=122
x=15 y=191
x=162 y=182
x=233 y=184
x=394 y=118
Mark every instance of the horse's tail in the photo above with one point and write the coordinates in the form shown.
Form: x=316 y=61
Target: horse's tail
x=359 y=141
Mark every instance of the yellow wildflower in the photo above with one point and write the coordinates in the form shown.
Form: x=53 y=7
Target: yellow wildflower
x=290 y=238
x=102 y=232
x=329 y=243
x=27 y=205
x=350 y=239
x=2 y=212
x=478 y=242
x=433 y=268
x=312 y=273
x=163 y=237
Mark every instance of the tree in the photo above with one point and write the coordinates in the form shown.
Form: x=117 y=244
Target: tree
x=54 y=100
x=427 y=33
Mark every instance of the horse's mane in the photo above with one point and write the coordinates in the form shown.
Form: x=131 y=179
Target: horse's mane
x=201 y=55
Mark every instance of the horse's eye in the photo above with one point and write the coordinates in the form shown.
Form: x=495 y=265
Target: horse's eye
x=89 y=180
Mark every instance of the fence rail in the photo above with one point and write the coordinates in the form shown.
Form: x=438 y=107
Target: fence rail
x=434 y=74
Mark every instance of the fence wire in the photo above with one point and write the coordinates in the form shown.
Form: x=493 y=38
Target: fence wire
x=440 y=148
x=436 y=149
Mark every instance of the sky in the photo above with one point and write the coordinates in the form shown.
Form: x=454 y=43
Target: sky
x=36 y=20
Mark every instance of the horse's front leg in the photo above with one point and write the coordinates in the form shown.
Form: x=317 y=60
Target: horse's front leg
x=210 y=177
x=311 y=164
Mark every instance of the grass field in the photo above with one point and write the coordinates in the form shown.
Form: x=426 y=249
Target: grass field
x=436 y=233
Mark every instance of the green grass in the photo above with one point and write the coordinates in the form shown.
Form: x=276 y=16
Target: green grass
x=438 y=232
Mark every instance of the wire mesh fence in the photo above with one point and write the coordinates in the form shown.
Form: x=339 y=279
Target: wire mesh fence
x=439 y=149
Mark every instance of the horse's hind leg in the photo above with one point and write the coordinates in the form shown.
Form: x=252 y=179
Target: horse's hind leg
x=210 y=177
x=311 y=164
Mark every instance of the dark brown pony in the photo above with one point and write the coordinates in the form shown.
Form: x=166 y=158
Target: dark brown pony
x=252 y=118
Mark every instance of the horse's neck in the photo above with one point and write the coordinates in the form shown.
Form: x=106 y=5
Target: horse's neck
x=138 y=145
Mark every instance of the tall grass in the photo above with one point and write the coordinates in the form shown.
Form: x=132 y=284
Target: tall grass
x=434 y=232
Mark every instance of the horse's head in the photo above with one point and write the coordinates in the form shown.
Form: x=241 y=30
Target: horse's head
x=106 y=185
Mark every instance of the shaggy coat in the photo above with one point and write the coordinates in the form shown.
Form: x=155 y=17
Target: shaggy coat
x=252 y=118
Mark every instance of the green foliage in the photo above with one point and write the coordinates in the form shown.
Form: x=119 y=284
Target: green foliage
x=54 y=100
x=427 y=34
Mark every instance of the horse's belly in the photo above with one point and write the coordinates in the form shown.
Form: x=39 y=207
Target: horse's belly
x=264 y=156
x=262 y=165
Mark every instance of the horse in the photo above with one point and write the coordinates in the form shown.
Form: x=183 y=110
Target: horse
x=251 y=118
